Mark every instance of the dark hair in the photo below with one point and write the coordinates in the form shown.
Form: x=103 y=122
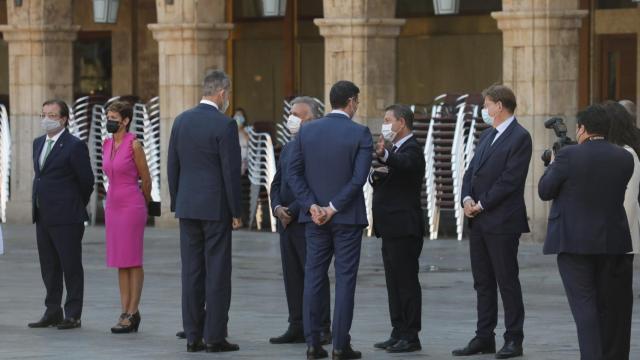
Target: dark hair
x=501 y=93
x=595 y=120
x=64 y=108
x=341 y=92
x=402 y=111
x=622 y=129
x=124 y=109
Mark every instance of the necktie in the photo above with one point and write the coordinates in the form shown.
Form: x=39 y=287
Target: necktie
x=493 y=135
x=394 y=148
x=47 y=152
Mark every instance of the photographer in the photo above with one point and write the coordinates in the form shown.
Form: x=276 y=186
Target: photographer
x=588 y=231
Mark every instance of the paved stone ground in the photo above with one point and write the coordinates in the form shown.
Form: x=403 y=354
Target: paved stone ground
x=258 y=308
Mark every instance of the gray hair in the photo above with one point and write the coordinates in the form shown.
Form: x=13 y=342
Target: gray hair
x=629 y=106
x=311 y=102
x=215 y=81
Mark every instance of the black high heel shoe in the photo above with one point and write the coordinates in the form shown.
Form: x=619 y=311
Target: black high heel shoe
x=134 y=323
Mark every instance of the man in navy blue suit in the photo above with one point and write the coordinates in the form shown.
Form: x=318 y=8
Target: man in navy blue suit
x=329 y=165
x=203 y=170
x=493 y=200
x=62 y=185
x=589 y=232
x=293 y=245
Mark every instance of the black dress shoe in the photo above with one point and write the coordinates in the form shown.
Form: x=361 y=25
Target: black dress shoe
x=509 y=350
x=477 y=346
x=69 y=323
x=222 y=346
x=47 y=320
x=346 y=353
x=325 y=337
x=195 y=347
x=316 y=352
x=404 y=346
x=181 y=335
x=289 y=337
x=385 y=344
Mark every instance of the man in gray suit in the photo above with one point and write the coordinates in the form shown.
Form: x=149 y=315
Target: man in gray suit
x=204 y=184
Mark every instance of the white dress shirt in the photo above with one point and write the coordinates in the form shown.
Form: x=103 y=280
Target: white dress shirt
x=209 y=102
x=502 y=127
x=340 y=112
x=44 y=147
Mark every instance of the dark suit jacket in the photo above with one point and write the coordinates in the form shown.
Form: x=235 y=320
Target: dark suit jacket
x=281 y=194
x=396 y=197
x=587 y=184
x=496 y=178
x=330 y=162
x=204 y=165
x=61 y=190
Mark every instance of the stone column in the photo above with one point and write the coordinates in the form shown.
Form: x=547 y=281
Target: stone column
x=188 y=48
x=360 y=46
x=540 y=63
x=40 y=67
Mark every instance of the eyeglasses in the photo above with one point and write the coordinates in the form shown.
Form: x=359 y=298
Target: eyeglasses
x=49 y=115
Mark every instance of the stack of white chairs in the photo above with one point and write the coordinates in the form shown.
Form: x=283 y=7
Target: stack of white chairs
x=5 y=161
x=261 y=169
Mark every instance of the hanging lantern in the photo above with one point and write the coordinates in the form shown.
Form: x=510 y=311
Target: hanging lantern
x=446 y=7
x=105 y=11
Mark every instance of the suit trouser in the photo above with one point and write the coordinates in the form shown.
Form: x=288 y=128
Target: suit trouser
x=60 y=253
x=293 y=252
x=205 y=251
x=401 y=265
x=494 y=261
x=322 y=243
x=599 y=290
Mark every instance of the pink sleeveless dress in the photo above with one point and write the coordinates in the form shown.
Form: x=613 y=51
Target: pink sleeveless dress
x=125 y=208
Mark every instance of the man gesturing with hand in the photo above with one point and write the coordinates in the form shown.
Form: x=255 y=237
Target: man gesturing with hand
x=329 y=165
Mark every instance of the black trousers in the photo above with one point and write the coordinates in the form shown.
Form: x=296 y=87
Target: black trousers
x=60 y=252
x=401 y=265
x=599 y=290
x=205 y=251
x=494 y=264
x=293 y=250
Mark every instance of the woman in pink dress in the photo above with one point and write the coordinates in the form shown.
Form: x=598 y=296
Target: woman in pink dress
x=124 y=162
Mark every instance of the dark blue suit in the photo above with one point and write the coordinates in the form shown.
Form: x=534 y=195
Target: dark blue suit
x=62 y=187
x=329 y=165
x=204 y=183
x=588 y=229
x=293 y=247
x=496 y=179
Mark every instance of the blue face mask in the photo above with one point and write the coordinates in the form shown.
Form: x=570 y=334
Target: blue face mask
x=486 y=118
x=239 y=119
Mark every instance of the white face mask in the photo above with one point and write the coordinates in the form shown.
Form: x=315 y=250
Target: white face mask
x=293 y=124
x=388 y=133
x=486 y=117
x=49 y=125
x=225 y=105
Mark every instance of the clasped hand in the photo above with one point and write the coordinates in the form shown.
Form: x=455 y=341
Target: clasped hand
x=471 y=208
x=321 y=215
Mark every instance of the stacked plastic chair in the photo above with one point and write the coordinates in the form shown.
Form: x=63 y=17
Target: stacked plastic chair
x=5 y=161
x=261 y=169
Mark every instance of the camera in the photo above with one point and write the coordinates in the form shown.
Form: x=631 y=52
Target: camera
x=560 y=129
